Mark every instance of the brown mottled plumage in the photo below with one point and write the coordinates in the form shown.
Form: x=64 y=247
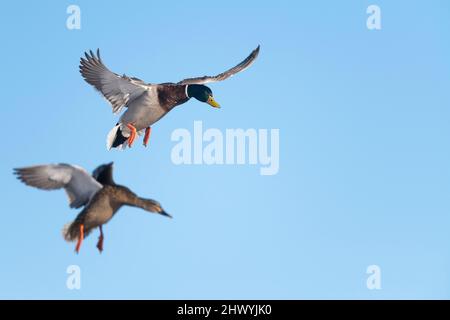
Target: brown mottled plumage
x=99 y=194
x=104 y=205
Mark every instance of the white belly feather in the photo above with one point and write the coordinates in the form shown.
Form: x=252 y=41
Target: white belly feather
x=142 y=112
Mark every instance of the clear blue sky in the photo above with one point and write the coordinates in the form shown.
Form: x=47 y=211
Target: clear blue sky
x=364 y=159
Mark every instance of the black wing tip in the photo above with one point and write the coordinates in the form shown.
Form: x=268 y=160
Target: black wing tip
x=91 y=55
x=256 y=51
x=19 y=174
x=18 y=171
x=88 y=61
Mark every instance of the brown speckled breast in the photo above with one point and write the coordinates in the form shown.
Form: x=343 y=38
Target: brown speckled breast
x=171 y=95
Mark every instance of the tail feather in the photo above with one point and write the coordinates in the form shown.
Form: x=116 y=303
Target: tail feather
x=71 y=231
x=115 y=138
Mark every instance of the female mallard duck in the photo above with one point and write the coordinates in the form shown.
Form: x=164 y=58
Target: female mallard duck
x=147 y=103
x=98 y=194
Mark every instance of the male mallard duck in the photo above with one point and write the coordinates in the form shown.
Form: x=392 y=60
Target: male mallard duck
x=147 y=103
x=98 y=194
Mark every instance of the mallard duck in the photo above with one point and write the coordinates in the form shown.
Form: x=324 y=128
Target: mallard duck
x=146 y=102
x=100 y=196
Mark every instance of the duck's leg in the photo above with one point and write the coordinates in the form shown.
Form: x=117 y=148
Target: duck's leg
x=80 y=238
x=100 y=240
x=147 y=135
x=132 y=134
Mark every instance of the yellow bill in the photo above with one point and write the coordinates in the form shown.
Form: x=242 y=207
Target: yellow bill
x=212 y=102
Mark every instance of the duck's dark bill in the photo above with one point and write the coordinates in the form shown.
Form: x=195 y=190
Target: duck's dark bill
x=165 y=214
x=212 y=102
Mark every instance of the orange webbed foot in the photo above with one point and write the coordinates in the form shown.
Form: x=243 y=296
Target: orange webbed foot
x=147 y=136
x=100 y=240
x=100 y=244
x=133 y=133
x=80 y=239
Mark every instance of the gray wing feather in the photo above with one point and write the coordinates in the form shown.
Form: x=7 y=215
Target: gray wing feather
x=247 y=62
x=78 y=184
x=118 y=90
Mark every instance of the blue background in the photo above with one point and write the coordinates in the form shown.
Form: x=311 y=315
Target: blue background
x=364 y=158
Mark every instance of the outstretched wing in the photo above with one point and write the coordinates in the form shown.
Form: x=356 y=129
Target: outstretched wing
x=224 y=75
x=78 y=184
x=118 y=90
